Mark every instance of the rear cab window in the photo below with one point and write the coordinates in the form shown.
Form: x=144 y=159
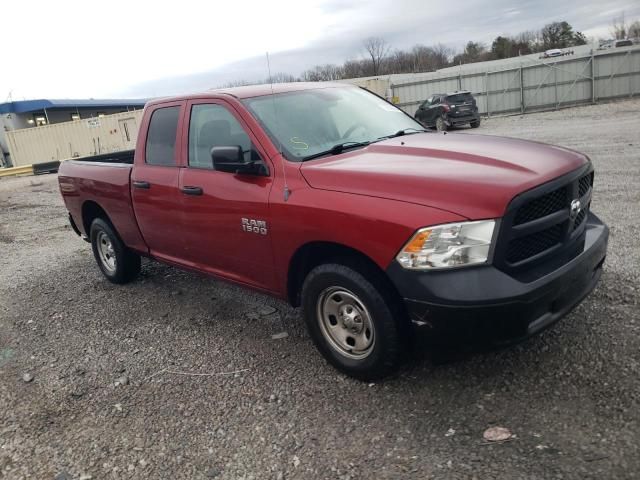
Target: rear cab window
x=160 y=147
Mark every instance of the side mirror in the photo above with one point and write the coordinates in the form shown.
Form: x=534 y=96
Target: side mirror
x=231 y=159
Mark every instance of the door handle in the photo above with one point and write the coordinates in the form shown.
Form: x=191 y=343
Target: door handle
x=191 y=190
x=141 y=184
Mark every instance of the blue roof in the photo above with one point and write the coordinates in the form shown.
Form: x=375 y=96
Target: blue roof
x=24 y=106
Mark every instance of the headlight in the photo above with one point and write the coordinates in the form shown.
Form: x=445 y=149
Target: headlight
x=445 y=246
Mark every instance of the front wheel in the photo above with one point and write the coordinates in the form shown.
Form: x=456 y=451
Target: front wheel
x=116 y=261
x=353 y=321
x=441 y=124
x=475 y=123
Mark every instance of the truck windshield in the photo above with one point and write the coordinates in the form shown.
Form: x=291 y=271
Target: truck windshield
x=307 y=123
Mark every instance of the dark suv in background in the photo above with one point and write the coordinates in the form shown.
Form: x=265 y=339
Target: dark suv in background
x=444 y=110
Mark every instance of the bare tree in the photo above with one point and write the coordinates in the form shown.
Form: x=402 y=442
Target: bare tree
x=419 y=59
x=399 y=61
x=354 y=69
x=281 y=77
x=619 y=28
x=529 y=41
x=238 y=83
x=442 y=55
x=634 y=30
x=422 y=58
x=426 y=59
x=377 y=49
x=323 y=73
x=473 y=52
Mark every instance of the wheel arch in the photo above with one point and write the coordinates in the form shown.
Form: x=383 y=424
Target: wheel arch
x=90 y=211
x=312 y=254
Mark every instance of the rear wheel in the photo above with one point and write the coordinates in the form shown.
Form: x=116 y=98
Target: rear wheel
x=441 y=124
x=116 y=261
x=353 y=321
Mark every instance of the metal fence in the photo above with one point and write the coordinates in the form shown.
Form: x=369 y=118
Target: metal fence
x=543 y=86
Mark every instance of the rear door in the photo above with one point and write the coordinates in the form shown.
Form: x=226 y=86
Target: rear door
x=423 y=110
x=226 y=215
x=433 y=110
x=154 y=181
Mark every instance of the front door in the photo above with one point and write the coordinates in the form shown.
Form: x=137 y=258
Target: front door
x=225 y=216
x=154 y=184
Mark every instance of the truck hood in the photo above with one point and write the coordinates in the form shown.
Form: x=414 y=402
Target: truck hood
x=475 y=176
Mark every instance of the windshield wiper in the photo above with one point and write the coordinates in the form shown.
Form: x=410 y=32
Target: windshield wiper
x=404 y=131
x=336 y=149
x=341 y=147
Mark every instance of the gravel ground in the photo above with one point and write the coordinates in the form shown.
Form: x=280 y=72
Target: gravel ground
x=107 y=392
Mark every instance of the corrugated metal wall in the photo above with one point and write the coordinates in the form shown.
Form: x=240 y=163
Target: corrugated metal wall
x=548 y=85
x=61 y=141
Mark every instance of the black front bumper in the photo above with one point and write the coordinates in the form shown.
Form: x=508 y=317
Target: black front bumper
x=485 y=304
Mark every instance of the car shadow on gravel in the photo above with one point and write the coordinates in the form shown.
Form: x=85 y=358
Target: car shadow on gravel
x=180 y=303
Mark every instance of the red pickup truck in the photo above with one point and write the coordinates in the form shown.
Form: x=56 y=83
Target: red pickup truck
x=331 y=198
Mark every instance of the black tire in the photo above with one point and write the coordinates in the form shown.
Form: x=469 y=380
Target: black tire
x=475 y=124
x=117 y=262
x=381 y=310
x=441 y=124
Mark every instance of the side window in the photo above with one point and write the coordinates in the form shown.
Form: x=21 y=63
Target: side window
x=211 y=126
x=432 y=100
x=161 y=138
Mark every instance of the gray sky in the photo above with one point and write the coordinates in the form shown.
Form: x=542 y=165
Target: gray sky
x=86 y=48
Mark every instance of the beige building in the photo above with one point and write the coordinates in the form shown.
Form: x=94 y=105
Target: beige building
x=17 y=117
x=80 y=138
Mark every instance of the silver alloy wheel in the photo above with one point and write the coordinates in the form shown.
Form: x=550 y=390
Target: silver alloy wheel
x=441 y=126
x=345 y=323
x=106 y=252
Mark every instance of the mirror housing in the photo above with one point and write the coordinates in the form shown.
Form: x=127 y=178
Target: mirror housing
x=231 y=159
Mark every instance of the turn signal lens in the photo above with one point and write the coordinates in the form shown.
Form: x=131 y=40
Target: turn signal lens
x=450 y=245
x=417 y=242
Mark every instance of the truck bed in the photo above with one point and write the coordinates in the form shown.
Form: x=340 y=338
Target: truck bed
x=102 y=180
x=125 y=156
